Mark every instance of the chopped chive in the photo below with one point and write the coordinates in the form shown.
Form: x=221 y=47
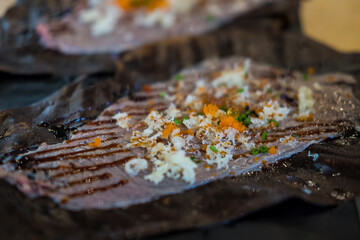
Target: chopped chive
x=305 y=76
x=240 y=90
x=192 y=158
x=263 y=149
x=214 y=149
x=176 y=121
x=254 y=151
x=200 y=114
x=162 y=95
x=270 y=90
x=295 y=135
x=179 y=77
x=264 y=135
x=247 y=113
x=277 y=124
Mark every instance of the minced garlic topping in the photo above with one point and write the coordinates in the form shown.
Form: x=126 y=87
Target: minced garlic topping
x=204 y=126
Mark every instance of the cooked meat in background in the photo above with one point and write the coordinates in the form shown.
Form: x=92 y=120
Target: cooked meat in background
x=118 y=26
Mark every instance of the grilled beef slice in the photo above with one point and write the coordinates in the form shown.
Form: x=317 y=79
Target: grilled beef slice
x=78 y=176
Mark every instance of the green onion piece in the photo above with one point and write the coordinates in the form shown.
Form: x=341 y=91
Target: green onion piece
x=200 y=114
x=212 y=148
x=270 y=90
x=247 y=122
x=162 y=95
x=277 y=124
x=192 y=158
x=240 y=90
x=264 y=135
x=263 y=149
x=254 y=151
x=277 y=95
x=179 y=77
x=241 y=118
x=305 y=76
x=176 y=121
x=295 y=135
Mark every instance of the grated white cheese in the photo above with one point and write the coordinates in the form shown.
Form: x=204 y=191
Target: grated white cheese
x=272 y=110
x=122 y=120
x=134 y=166
x=306 y=101
x=102 y=17
x=174 y=165
x=230 y=79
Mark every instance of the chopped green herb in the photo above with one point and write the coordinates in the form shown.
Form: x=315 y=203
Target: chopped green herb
x=214 y=149
x=305 y=76
x=263 y=149
x=192 y=158
x=270 y=90
x=162 y=95
x=254 y=151
x=200 y=114
x=295 y=135
x=179 y=77
x=277 y=124
x=264 y=135
x=176 y=121
x=277 y=95
x=247 y=122
x=240 y=90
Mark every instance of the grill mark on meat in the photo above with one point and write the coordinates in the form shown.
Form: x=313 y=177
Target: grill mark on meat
x=44 y=151
x=95 y=129
x=91 y=168
x=334 y=124
x=88 y=180
x=74 y=155
x=91 y=136
x=98 y=123
x=91 y=191
x=141 y=110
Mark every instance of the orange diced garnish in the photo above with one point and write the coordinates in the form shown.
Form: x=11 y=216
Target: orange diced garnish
x=208 y=166
x=210 y=110
x=136 y=4
x=256 y=159
x=150 y=102
x=168 y=130
x=272 y=150
x=309 y=117
x=95 y=143
x=311 y=71
x=146 y=88
x=231 y=122
x=264 y=163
